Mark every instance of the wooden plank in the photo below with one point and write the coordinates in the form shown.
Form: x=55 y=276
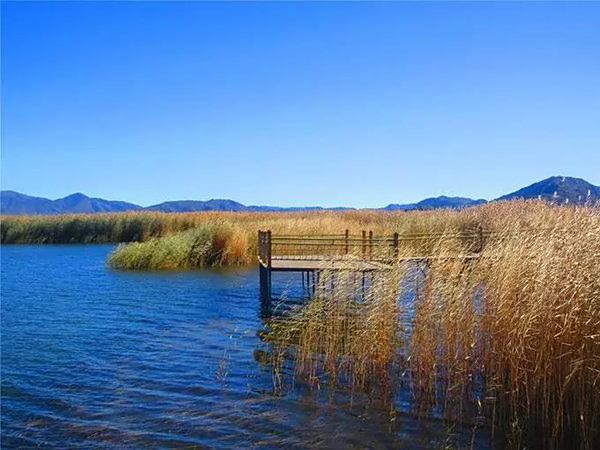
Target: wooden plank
x=314 y=261
x=283 y=265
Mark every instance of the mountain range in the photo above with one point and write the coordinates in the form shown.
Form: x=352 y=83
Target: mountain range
x=555 y=189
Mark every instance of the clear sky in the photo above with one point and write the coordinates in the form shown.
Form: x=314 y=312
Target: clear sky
x=357 y=104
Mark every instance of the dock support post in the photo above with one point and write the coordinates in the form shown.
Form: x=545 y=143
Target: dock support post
x=308 y=282
x=264 y=282
x=265 y=291
x=264 y=248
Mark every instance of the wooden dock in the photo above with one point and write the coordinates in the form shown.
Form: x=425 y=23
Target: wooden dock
x=364 y=253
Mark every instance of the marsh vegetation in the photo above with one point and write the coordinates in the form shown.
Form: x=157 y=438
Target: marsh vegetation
x=509 y=340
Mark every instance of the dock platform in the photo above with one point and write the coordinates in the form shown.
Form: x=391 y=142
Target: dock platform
x=364 y=253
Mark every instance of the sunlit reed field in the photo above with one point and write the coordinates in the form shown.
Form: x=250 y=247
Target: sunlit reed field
x=141 y=226
x=161 y=241
x=510 y=339
x=189 y=240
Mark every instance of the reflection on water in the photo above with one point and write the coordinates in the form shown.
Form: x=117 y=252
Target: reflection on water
x=95 y=358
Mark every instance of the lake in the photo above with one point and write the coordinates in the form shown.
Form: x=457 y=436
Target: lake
x=93 y=358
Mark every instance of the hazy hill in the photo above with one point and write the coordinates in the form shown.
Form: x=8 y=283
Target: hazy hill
x=80 y=203
x=12 y=202
x=198 y=205
x=555 y=189
x=436 y=203
x=227 y=205
x=295 y=208
x=15 y=203
x=558 y=190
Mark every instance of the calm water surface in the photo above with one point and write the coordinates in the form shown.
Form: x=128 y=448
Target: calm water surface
x=94 y=358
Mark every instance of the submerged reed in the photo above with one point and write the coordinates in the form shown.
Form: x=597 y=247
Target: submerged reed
x=511 y=339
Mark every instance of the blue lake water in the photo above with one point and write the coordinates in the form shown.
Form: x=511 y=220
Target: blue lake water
x=93 y=358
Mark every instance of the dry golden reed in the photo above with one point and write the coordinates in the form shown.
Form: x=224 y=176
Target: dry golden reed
x=239 y=245
x=511 y=338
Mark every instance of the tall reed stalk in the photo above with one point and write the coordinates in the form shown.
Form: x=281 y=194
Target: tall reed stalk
x=511 y=338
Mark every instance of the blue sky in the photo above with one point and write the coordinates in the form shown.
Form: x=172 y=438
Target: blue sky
x=358 y=104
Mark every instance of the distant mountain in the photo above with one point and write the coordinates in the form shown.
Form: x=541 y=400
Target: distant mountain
x=554 y=189
x=228 y=205
x=436 y=203
x=254 y=208
x=15 y=203
x=80 y=203
x=12 y=202
x=198 y=205
x=558 y=190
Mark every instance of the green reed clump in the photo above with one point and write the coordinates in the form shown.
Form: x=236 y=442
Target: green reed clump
x=203 y=246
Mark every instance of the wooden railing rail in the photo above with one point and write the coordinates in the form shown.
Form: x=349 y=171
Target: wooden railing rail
x=366 y=245
x=370 y=247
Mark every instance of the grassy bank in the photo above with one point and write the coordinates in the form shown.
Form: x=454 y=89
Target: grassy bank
x=141 y=226
x=511 y=339
x=165 y=243
x=91 y=228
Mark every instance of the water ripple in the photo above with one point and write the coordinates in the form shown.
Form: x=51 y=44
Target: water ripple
x=93 y=358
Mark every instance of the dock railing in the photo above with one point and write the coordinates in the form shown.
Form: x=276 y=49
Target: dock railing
x=365 y=246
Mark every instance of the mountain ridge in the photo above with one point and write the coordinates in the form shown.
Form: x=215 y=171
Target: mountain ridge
x=15 y=203
x=556 y=189
x=435 y=203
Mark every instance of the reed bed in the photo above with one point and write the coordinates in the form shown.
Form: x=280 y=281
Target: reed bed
x=234 y=234
x=510 y=340
x=142 y=226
